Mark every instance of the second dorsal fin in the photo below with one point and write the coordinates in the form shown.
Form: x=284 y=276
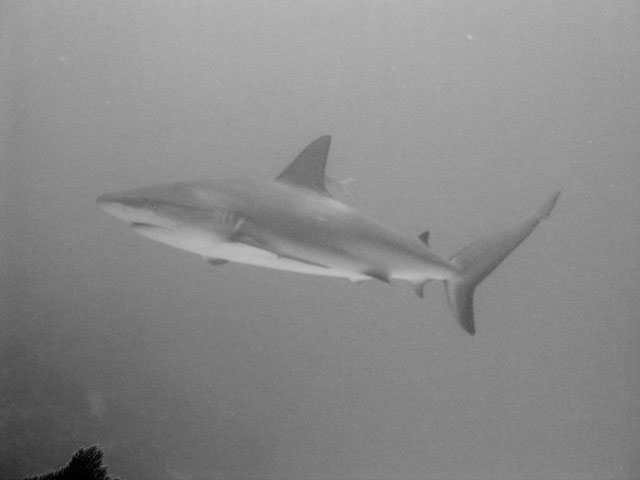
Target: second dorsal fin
x=424 y=236
x=307 y=170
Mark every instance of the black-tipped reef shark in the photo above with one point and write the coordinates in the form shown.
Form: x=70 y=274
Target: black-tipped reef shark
x=293 y=223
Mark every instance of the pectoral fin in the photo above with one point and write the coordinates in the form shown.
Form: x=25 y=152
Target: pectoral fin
x=378 y=274
x=298 y=259
x=253 y=242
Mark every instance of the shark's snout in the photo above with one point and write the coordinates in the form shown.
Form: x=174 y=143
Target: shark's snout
x=106 y=198
x=129 y=199
x=110 y=203
x=121 y=206
x=140 y=208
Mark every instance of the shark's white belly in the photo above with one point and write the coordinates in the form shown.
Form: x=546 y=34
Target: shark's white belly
x=242 y=253
x=213 y=247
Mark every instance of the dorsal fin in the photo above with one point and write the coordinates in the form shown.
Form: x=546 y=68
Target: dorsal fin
x=424 y=236
x=307 y=170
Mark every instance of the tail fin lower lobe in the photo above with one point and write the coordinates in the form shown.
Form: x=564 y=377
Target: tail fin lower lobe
x=479 y=259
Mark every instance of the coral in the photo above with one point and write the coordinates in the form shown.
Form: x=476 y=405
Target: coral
x=86 y=464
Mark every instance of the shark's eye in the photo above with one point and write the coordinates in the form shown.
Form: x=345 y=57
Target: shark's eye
x=151 y=205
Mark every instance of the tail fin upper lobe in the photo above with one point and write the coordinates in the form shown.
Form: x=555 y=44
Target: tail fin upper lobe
x=479 y=259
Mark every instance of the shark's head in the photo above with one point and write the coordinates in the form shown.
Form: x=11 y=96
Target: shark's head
x=157 y=206
x=177 y=214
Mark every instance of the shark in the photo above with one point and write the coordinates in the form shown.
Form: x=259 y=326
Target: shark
x=293 y=223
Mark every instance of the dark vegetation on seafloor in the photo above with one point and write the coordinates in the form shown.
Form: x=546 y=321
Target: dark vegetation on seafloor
x=86 y=464
x=46 y=414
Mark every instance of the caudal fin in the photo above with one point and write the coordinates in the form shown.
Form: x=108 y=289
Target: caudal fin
x=479 y=259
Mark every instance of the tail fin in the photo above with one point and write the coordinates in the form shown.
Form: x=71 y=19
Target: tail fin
x=479 y=259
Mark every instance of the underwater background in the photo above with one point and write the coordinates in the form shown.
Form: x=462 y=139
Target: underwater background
x=456 y=116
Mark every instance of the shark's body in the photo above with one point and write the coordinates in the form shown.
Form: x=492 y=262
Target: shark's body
x=294 y=224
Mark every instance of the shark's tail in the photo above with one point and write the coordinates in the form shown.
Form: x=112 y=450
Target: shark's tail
x=479 y=259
